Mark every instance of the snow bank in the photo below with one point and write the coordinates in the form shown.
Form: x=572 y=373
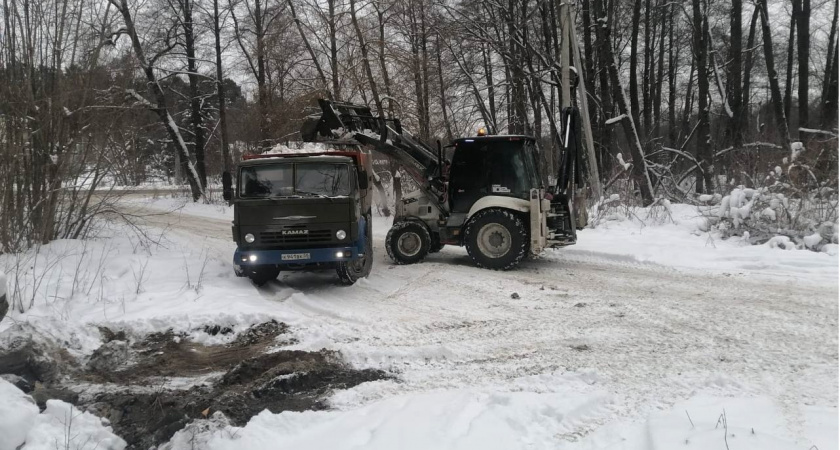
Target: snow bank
x=470 y=419
x=17 y=415
x=675 y=237
x=61 y=425
x=181 y=205
x=124 y=283
x=453 y=419
x=706 y=422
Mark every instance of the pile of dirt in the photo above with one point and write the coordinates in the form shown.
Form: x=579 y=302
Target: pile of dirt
x=248 y=375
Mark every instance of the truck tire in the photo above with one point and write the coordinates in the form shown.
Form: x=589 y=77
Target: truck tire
x=436 y=246
x=408 y=242
x=496 y=239
x=260 y=275
x=351 y=271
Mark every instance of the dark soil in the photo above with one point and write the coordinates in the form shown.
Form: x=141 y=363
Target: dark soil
x=252 y=378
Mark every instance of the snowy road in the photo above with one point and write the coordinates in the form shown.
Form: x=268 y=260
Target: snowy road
x=645 y=336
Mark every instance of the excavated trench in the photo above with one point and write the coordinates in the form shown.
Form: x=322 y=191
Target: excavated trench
x=149 y=388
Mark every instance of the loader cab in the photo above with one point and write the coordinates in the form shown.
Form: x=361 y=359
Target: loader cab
x=492 y=165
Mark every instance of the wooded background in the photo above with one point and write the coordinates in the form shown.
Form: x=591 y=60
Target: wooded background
x=686 y=97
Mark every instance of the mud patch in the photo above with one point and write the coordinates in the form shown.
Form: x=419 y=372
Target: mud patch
x=130 y=383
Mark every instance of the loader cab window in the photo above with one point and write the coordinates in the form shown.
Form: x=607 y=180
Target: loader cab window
x=493 y=167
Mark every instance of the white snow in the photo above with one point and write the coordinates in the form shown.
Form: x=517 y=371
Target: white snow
x=535 y=416
x=17 y=415
x=811 y=241
x=3 y=285
x=300 y=147
x=608 y=343
x=620 y=157
x=679 y=242
x=61 y=425
x=615 y=119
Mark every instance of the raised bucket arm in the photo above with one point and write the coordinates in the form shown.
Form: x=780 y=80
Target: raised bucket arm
x=345 y=122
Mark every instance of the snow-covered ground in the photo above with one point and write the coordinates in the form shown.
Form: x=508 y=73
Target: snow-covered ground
x=638 y=338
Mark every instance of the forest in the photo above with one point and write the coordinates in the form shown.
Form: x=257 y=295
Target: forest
x=687 y=99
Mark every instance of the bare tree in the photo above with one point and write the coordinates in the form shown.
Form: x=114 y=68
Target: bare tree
x=159 y=106
x=773 y=79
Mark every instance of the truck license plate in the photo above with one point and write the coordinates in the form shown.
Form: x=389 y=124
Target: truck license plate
x=294 y=256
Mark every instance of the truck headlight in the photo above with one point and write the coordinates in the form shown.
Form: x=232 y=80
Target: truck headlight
x=249 y=238
x=340 y=234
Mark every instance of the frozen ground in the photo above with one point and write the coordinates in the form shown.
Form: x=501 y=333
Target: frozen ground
x=637 y=338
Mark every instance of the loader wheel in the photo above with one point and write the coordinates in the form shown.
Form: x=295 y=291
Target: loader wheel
x=496 y=239
x=261 y=275
x=436 y=245
x=350 y=271
x=408 y=242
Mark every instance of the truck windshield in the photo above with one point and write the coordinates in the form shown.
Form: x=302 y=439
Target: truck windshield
x=299 y=179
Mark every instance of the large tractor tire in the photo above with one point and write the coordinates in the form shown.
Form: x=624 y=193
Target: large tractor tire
x=408 y=242
x=260 y=275
x=436 y=245
x=351 y=271
x=496 y=239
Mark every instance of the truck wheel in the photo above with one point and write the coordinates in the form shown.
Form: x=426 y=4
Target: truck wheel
x=496 y=239
x=408 y=242
x=261 y=275
x=436 y=246
x=350 y=271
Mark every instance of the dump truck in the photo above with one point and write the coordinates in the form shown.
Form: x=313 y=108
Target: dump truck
x=302 y=211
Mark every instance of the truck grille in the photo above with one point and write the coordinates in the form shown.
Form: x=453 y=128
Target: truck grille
x=278 y=238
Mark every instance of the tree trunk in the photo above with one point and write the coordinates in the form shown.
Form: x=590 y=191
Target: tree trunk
x=748 y=65
x=803 y=52
x=365 y=59
x=331 y=25
x=673 y=54
x=195 y=101
x=447 y=125
x=604 y=51
x=647 y=72
x=735 y=79
x=227 y=161
x=773 y=78
x=628 y=122
x=830 y=106
x=386 y=80
x=829 y=63
x=829 y=59
x=790 y=50
x=426 y=132
x=701 y=52
x=491 y=90
x=660 y=73
x=634 y=58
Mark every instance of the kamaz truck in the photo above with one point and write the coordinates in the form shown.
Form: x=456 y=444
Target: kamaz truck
x=302 y=211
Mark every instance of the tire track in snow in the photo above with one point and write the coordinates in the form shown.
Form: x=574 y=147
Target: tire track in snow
x=653 y=335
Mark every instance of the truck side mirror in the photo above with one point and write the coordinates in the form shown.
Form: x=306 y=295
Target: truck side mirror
x=227 y=186
x=363 y=179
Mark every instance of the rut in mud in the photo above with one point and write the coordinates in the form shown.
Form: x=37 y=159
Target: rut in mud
x=132 y=383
